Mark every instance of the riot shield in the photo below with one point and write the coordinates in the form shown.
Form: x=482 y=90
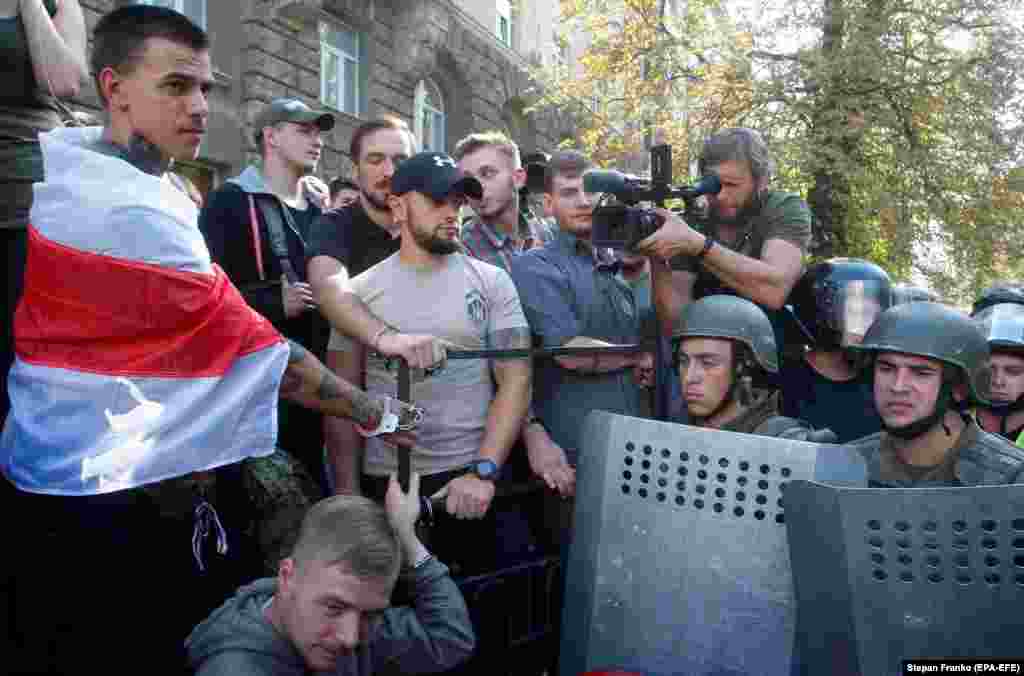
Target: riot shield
x=884 y=575
x=679 y=562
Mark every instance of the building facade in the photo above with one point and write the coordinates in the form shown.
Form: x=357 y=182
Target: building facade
x=447 y=67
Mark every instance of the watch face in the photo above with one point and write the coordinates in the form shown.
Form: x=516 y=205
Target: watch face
x=486 y=469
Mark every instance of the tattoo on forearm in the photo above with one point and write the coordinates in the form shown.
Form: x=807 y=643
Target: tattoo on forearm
x=365 y=409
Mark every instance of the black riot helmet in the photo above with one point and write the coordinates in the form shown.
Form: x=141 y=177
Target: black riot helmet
x=908 y=293
x=937 y=332
x=837 y=301
x=1003 y=292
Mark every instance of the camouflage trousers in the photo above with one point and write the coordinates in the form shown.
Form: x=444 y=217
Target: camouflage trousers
x=267 y=508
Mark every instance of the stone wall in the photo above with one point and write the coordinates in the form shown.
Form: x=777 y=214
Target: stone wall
x=261 y=51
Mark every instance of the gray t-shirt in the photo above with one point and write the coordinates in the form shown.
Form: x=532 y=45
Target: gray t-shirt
x=466 y=302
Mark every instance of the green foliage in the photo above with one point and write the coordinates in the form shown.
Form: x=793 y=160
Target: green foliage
x=901 y=120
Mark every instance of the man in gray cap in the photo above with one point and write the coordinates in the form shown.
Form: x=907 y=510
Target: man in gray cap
x=257 y=228
x=429 y=287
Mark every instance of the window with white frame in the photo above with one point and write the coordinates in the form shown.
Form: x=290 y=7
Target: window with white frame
x=430 y=118
x=193 y=9
x=339 y=68
x=503 y=28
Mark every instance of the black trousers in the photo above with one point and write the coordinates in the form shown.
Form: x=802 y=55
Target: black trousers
x=107 y=585
x=15 y=250
x=14 y=244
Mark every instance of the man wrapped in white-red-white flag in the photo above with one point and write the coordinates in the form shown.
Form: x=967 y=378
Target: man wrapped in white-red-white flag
x=137 y=360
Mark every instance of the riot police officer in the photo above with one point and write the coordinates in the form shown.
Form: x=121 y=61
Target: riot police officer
x=833 y=305
x=1000 y=314
x=926 y=361
x=726 y=346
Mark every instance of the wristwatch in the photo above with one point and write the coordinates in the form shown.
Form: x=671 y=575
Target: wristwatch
x=485 y=469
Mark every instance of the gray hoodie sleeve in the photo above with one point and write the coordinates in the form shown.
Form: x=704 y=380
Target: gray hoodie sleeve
x=434 y=635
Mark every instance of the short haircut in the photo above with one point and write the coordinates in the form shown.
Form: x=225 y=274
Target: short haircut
x=367 y=128
x=340 y=183
x=568 y=163
x=487 y=139
x=353 y=532
x=737 y=144
x=119 y=40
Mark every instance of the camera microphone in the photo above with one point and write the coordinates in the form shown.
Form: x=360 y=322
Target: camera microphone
x=609 y=180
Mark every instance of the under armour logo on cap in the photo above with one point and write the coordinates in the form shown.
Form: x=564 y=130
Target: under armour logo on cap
x=434 y=174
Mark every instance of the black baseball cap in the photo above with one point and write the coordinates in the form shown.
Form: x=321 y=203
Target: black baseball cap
x=434 y=174
x=290 y=110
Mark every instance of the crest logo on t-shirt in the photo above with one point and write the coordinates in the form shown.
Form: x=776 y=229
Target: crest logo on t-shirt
x=476 y=307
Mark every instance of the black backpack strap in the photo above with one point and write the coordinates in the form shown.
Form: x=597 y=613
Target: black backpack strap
x=274 y=215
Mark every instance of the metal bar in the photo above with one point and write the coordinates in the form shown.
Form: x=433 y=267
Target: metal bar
x=404 y=452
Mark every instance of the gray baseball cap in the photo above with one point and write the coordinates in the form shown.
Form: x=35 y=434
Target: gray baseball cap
x=290 y=110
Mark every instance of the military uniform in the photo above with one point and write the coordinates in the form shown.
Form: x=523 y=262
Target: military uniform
x=977 y=459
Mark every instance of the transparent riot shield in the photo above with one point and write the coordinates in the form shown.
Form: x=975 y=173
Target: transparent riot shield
x=885 y=575
x=679 y=562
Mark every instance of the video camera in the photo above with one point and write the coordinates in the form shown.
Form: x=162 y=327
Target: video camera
x=623 y=225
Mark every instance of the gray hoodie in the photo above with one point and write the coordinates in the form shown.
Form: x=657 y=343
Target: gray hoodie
x=434 y=635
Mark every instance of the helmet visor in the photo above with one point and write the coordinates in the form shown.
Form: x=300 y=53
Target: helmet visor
x=851 y=307
x=1002 y=324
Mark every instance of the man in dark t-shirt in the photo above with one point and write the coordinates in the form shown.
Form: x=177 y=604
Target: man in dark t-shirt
x=344 y=243
x=750 y=244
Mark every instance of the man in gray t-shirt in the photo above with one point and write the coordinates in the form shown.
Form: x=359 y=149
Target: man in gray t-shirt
x=474 y=409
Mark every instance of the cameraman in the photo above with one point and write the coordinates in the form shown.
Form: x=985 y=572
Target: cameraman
x=752 y=242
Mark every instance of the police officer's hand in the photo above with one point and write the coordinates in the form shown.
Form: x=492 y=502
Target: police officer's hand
x=403 y=509
x=297 y=297
x=422 y=352
x=673 y=238
x=468 y=496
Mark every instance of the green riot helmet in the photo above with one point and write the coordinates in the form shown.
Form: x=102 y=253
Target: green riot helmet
x=937 y=332
x=732 y=318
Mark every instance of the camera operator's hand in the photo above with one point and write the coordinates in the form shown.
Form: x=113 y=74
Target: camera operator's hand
x=673 y=238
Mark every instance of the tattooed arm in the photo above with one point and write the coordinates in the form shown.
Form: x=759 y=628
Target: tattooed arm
x=308 y=382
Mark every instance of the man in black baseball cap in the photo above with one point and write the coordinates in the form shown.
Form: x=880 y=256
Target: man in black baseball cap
x=427 y=192
x=430 y=288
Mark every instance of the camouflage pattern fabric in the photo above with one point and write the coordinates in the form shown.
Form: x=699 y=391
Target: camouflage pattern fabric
x=281 y=491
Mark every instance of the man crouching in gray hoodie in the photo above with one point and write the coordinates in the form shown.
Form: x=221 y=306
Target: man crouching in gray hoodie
x=327 y=610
